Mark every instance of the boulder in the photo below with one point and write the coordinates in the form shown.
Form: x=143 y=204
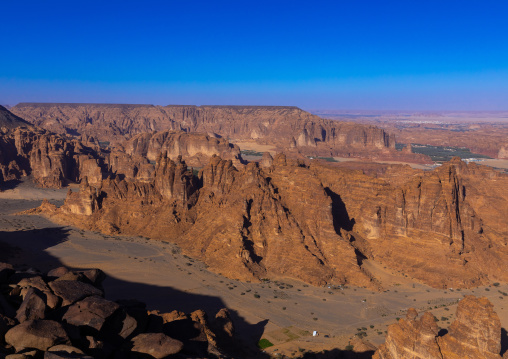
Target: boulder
x=36 y=334
x=32 y=307
x=65 y=355
x=90 y=312
x=58 y=272
x=72 y=291
x=95 y=276
x=157 y=345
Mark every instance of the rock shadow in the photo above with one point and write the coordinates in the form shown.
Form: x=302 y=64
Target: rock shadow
x=341 y=218
x=504 y=341
x=19 y=247
x=11 y=184
x=338 y=354
x=28 y=249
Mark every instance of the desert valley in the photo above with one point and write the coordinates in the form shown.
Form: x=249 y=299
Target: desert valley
x=142 y=231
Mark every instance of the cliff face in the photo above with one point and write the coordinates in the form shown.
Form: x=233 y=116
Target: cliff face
x=195 y=148
x=263 y=225
x=319 y=223
x=476 y=333
x=279 y=126
x=49 y=158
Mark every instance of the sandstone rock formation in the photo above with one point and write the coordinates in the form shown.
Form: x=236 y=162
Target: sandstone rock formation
x=476 y=333
x=316 y=223
x=278 y=126
x=51 y=159
x=85 y=325
x=503 y=152
x=195 y=148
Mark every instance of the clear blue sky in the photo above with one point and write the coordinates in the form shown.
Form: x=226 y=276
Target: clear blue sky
x=408 y=54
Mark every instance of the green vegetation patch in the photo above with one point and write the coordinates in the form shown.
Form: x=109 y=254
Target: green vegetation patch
x=444 y=153
x=251 y=153
x=264 y=343
x=327 y=159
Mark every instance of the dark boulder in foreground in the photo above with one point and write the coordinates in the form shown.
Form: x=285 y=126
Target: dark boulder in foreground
x=63 y=315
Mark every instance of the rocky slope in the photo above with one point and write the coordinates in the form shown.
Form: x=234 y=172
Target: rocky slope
x=63 y=314
x=315 y=223
x=476 y=333
x=9 y=121
x=285 y=127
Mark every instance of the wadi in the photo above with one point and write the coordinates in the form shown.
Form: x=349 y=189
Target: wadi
x=140 y=231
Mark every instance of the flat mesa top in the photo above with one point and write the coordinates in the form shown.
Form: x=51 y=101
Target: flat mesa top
x=47 y=104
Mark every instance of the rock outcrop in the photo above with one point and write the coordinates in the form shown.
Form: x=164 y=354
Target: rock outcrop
x=195 y=148
x=503 y=152
x=83 y=324
x=278 y=126
x=476 y=333
x=52 y=160
x=315 y=223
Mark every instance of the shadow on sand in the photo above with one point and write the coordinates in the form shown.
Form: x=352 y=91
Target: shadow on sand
x=11 y=184
x=21 y=248
x=338 y=354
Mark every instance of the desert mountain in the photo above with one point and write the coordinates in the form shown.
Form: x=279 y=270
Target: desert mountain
x=284 y=127
x=54 y=160
x=8 y=120
x=314 y=223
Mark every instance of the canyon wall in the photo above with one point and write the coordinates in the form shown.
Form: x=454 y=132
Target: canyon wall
x=316 y=223
x=284 y=127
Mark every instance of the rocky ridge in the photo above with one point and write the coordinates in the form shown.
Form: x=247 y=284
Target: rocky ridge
x=9 y=121
x=315 y=223
x=283 y=127
x=56 y=160
x=63 y=314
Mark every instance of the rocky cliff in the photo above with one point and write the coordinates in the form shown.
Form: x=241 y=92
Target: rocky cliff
x=284 y=127
x=476 y=333
x=315 y=223
x=195 y=148
x=51 y=159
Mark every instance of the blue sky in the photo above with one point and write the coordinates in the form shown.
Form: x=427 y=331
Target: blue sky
x=421 y=55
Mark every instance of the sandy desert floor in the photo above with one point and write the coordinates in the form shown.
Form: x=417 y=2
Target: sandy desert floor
x=285 y=312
